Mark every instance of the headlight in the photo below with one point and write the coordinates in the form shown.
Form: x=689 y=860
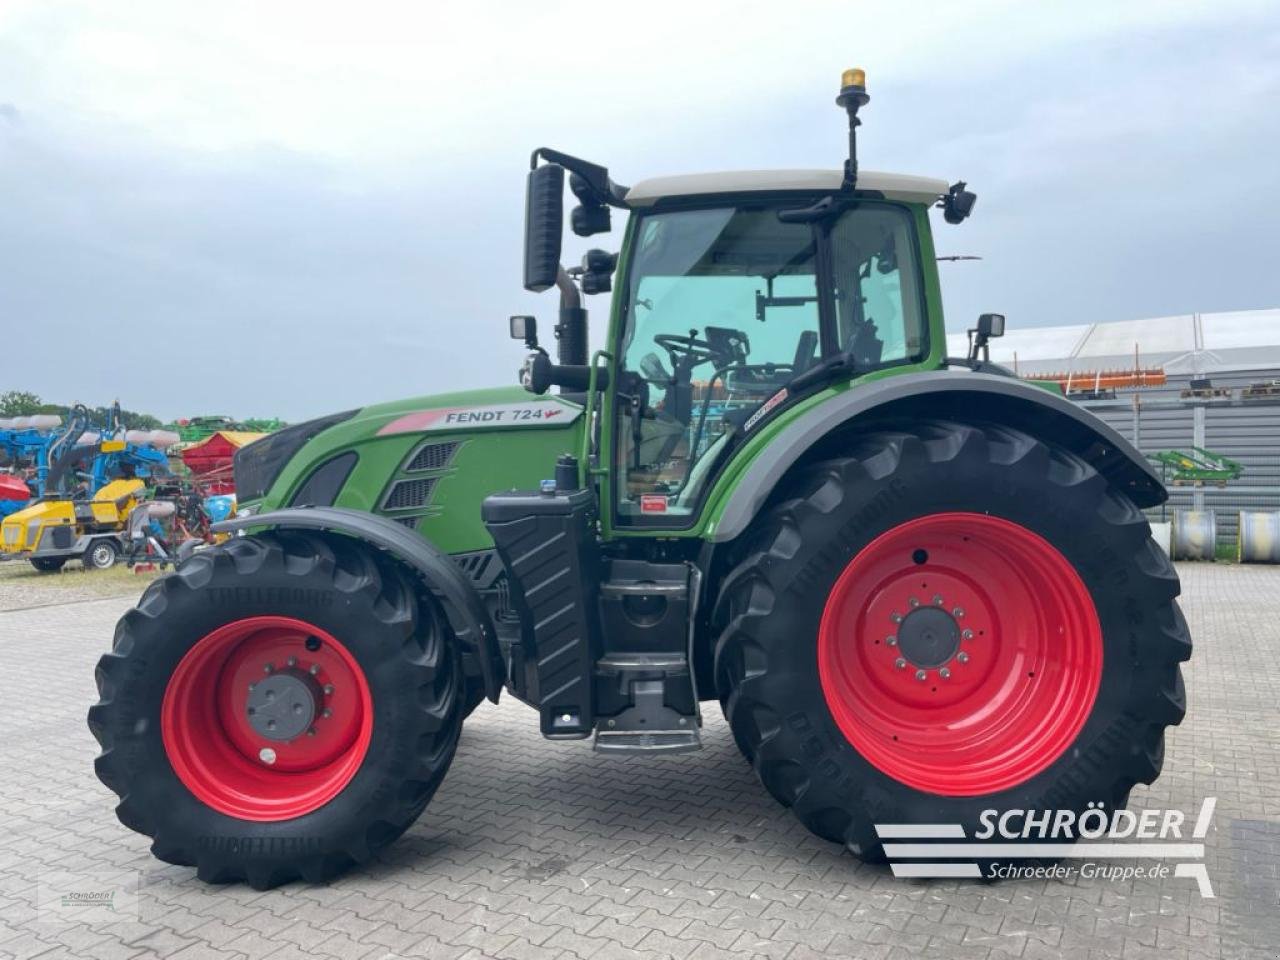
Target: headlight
x=258 y=464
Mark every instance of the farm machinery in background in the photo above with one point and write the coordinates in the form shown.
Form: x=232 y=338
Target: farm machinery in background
x=1196 y=467
x=98 y=491
x=82 y=483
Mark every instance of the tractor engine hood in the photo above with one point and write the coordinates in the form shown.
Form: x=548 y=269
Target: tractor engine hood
x=426 y=462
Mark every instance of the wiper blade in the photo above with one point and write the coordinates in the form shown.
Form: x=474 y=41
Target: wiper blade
x=824 y=370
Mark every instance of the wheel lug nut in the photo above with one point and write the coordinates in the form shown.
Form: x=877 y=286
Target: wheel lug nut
x=937 y=599
x=896 y=617
x=891 y=640
x=268 y=668
x=326 y=712
x=311 y=732
x=900 y=663
x=958 y=612
x=922 y=674
x=966 y=634
x=962 y=657
x=913 y=602
x=293 y=661
x=315 y=668
x=328 y=688
x=945 y=673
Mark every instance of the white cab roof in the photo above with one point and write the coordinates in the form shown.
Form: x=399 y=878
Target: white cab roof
x=895 y=186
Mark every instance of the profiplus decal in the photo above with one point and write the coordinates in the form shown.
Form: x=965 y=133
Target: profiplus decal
x=488 y=416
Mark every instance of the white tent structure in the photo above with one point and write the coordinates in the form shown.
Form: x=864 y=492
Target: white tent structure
x=1193 y=344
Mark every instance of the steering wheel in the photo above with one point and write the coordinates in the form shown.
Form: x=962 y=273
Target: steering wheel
x=687 y=352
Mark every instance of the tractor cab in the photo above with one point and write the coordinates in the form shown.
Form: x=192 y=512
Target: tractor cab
x=736 y=296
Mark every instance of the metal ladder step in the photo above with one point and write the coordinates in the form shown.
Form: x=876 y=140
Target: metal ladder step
x=648 y=725
x=649 y=741
x=640 y=662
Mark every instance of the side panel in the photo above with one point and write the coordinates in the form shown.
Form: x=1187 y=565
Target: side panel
x=481 y=442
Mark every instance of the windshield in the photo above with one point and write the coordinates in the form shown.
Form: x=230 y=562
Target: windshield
x=723 y=311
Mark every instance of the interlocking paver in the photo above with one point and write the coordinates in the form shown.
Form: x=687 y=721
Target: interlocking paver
x=535 y=850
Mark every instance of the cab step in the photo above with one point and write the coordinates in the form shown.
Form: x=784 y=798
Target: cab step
x=653 y=741
x=652 y=682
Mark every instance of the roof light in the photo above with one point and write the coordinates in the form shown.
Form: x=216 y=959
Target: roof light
x=854 y=77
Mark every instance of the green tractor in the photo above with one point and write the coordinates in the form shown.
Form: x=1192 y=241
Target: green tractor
x=919 y=587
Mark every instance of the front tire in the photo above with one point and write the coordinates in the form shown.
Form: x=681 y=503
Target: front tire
x=951 y=619
x=283 y=706
x=48 y=564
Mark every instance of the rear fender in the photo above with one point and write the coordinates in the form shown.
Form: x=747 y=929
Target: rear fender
x=949 y=395
x=462 y=604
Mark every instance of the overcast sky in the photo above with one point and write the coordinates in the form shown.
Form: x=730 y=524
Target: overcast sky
x=287 y=208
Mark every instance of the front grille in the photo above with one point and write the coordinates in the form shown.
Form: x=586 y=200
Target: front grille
x=409 y=494
x=432 y=456
x=11 y=534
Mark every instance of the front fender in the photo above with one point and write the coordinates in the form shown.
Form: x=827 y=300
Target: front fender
x=462 y=604
x=944 y=394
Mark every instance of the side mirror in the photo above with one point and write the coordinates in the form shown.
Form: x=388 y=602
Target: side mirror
x=543 y=225
x=591 y=215
x=597 y=271
x=989 y=325
x=525 y=328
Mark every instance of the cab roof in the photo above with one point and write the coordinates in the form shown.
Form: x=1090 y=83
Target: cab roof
x=895 y=186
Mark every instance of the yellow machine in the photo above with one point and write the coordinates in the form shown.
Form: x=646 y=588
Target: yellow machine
x=52 y=531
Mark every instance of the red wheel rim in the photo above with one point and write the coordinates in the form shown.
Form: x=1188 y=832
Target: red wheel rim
x=245 y=770
x=976 y=707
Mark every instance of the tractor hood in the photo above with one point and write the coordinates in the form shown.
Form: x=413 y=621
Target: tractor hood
x=425 y=462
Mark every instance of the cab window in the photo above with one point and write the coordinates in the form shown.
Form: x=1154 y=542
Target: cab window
x=722 y=311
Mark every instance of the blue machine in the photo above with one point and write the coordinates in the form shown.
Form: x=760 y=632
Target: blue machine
x=62 y=456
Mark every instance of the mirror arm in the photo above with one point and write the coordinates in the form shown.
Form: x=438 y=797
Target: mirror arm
x=570 y=296
x=597 y=176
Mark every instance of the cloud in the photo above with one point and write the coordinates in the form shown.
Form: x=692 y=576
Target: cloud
x=288 y=208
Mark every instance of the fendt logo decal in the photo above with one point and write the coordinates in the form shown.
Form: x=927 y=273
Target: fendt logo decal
x=489 y=416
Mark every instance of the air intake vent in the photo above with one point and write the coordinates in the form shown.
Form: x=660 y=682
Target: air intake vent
x=474 y=564
x=409 y=494
x=432 y=456
x=410 y=522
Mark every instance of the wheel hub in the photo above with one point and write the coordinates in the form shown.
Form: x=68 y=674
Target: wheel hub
x=284 y=705
x=928 y=637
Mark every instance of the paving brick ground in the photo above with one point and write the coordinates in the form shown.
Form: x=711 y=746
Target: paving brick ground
x=538 y=850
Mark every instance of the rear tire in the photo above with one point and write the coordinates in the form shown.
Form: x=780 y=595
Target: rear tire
x=174 y=750
x=48 y=564
x=818 y=736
